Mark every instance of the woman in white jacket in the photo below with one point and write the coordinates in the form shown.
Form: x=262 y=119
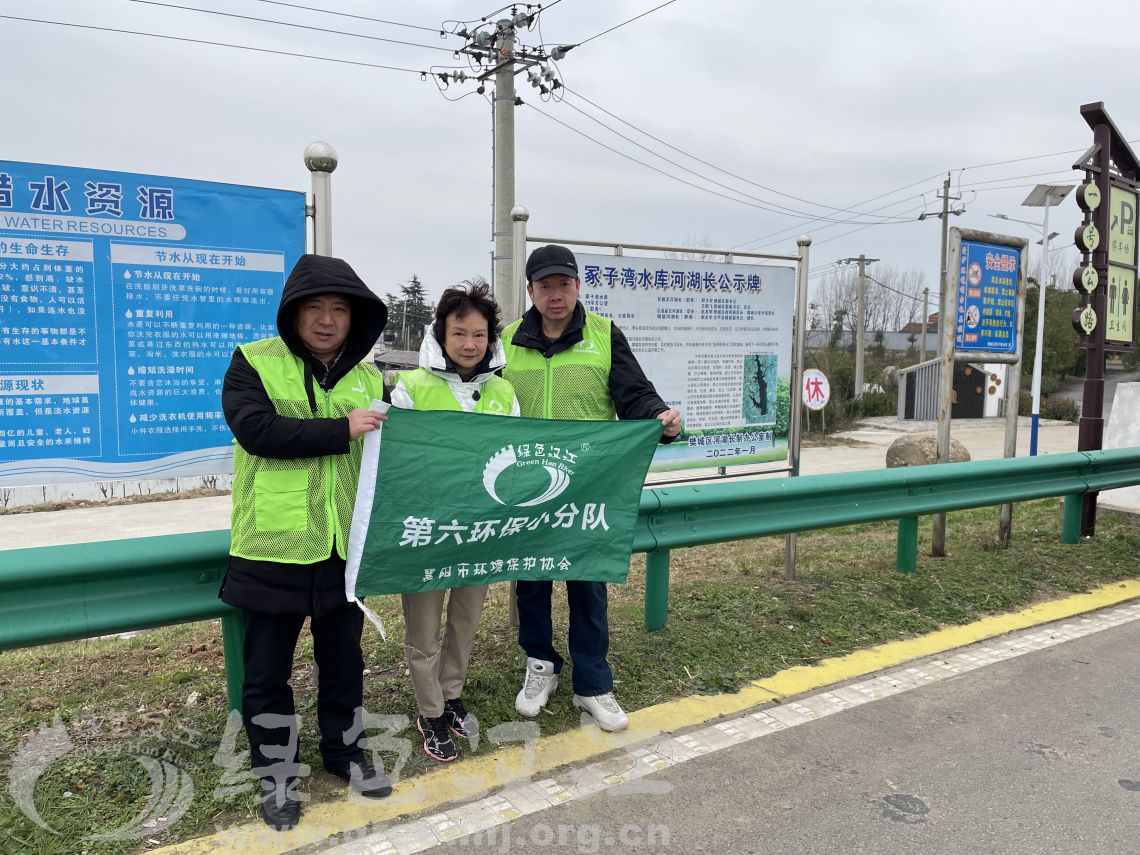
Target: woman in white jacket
x=458 y=359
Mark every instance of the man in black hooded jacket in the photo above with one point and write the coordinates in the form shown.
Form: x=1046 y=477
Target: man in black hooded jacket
x=297 y=404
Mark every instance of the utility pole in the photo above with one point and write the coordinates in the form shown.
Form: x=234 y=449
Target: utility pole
x=497 y=56
x=943 y=284
x=860 y=326
x=504 y=175
x=860 y=319
x=946 y=352
x=925 y=323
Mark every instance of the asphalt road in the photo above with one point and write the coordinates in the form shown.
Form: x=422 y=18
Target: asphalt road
x=1074 y=391
x=1038 y=754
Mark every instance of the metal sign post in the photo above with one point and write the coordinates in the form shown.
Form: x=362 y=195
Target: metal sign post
x=987 y=306
x=795 y=419
x=1107 y=276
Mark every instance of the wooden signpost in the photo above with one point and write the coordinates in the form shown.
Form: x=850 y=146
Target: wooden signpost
x=1107 y=275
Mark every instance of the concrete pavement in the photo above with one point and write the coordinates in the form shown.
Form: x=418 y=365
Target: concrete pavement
x=1021 y=745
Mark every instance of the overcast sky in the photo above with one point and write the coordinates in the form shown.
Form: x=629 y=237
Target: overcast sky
x=834 y=102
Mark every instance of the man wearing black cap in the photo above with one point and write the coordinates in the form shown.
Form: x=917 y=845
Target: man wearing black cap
x=297 y=404
x=567 y=363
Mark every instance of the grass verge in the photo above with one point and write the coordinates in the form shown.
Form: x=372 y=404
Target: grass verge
x=85 y=726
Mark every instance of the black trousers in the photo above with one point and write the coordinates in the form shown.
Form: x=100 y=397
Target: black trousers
x=267 y=697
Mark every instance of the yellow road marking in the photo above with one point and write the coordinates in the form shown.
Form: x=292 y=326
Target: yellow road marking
x=480 y=775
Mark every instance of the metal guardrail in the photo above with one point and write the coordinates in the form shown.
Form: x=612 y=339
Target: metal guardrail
x=60 y=593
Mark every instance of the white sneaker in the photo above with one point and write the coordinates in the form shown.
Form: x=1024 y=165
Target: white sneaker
x=540 y=683
x=608 y=715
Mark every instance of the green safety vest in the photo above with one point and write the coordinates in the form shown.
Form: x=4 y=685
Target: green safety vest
x=573 y=384
x=290 y=511
x=431 y=392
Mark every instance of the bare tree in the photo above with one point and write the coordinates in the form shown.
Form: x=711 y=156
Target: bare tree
x=696 y=254
x=1062 y=262
x=894 y=298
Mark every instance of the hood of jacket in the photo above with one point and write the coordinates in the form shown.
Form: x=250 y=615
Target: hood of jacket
x=433 y=358
x=320 y=274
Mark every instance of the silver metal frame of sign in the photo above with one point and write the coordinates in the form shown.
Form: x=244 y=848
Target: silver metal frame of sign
x=796 y=375
x=950 y=355
x=517 y=299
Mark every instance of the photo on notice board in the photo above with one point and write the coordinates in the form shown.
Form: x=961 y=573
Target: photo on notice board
x=759 y=400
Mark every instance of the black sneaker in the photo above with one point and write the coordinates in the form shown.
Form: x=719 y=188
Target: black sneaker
x=459 y=721
x=437 y=740
x=363 y=778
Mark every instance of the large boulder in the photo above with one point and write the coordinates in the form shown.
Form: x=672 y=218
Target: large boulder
x=919 y=449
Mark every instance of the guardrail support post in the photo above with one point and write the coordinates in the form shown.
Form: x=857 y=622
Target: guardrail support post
x=906 y=551
x=656 y=589
x=1071 y=519
x=233 y=647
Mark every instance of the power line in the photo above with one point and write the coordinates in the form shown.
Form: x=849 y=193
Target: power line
x=1057 y=172
x=861 y=228
x=483 y=20
x=357 y=17
x=764 y=203
x=780 y=233
x=785 y=231
x=705 y=162
x=1023 y=159
x=889 y=288
x=486 y=19
x=661 y=171
x=542 y=9
x=980 y=190
x=648 y=165
x=290 y=24
x=1003 y=187
x=623 y=23
x=213 y=43
x=823 y=271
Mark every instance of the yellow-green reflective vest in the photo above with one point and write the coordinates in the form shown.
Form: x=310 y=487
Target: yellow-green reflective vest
x=431 y=392
x=573 y=384
x=288 y=511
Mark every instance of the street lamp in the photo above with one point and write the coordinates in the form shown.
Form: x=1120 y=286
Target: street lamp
x=1037 y=226
x=1042 y=196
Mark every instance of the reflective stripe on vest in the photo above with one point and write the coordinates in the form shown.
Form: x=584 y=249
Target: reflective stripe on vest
x=431 y=392
x=573 y=384
x=287 y=511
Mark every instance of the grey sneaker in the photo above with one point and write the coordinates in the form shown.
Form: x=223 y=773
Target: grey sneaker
x=606 y=711
x=539 y=685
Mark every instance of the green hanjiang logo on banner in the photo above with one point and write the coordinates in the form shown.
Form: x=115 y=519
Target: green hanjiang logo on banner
x=449 y=499
x=555 y=462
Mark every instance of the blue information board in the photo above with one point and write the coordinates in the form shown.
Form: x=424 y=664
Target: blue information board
x=988 y=277
x=122 y=297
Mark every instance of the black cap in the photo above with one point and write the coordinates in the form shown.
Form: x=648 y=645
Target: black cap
x=551 y=260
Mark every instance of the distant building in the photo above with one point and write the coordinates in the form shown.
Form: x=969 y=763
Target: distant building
x=391 y=361
x=916 y=326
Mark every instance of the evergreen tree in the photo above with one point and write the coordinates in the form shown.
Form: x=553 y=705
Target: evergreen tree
x=416 y=313
x=1060 y=356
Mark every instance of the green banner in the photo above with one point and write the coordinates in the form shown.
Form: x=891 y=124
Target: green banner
x=450 y=499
